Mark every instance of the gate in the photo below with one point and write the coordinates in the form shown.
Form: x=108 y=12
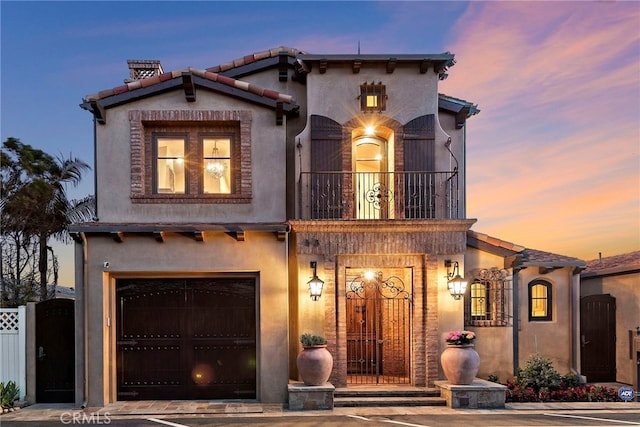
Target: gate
x=378 y=325
x=186 y=339
x=598 y=337
x=55 y=351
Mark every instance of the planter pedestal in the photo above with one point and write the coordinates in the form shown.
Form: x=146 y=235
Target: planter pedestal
x=480 y=394
x=310 y=398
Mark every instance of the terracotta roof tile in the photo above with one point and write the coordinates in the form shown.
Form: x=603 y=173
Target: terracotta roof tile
x=495 y=241
x=529 y=256
x=206 y=74
x=535 y=256
x=624 y=262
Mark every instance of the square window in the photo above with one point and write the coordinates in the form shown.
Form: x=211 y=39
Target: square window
x=191 y=157
x=373 y=97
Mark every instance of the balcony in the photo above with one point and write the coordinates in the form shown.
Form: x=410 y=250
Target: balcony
x=378 y=195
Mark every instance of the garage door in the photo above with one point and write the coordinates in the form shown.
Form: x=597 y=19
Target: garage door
x=186 y=339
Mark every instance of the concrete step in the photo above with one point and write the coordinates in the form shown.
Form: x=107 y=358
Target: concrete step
x=353 y=402
x=387 y=392
x=354 y=397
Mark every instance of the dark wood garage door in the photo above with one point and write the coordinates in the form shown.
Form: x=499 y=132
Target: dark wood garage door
x=186 y=339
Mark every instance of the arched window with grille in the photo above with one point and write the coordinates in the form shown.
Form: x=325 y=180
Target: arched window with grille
x=489 y=298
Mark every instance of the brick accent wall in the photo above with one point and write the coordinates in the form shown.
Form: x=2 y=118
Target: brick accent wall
x=143 y=122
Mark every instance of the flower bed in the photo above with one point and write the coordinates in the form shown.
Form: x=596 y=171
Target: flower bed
x=540 y=382
x=581 y=393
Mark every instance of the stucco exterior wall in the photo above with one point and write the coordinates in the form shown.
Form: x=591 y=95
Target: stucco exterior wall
x=624 y=288
x=549 y=339
x=494 y=343
x=268 y=142
x=179 y=256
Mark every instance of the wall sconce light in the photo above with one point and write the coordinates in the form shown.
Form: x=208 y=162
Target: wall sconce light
x=456 y=284
x=315 y=284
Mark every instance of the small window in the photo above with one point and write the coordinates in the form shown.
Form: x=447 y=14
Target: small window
x=170 y=177
x=539 y=300
x=488 y=299
x=479 y=301
x=373 y=97
x=217 y=165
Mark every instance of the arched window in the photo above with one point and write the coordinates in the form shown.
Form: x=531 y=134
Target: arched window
x=540 y=307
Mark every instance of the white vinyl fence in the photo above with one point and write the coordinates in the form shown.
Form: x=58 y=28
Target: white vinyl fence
x=13 y=322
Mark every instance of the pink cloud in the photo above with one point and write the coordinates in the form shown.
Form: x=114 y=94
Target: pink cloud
x=553 y=157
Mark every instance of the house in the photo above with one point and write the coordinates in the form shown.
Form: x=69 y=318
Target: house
x=221 y=192
x=610 y=326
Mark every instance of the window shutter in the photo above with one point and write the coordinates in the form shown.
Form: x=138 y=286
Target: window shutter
x=326 y=144
x=326 y=182
x=419 y=144
x=419 y=165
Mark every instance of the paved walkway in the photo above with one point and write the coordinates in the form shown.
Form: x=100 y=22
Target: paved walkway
x=171 y=408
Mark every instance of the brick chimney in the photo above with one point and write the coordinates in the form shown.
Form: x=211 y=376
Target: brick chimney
x=142 y=69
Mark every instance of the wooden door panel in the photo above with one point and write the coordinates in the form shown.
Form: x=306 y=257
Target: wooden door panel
x=598 y=339
x=55 y=351
x=186 y=339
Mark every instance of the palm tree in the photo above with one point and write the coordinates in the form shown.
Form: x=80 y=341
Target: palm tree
x=34 y=197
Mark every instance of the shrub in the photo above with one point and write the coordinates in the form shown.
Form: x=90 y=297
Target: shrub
x=539 y=373
x=493 y=378
x=309 y=340
x=9 y=393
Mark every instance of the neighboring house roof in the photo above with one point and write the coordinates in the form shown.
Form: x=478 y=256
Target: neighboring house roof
x=627 y=263
x=523 y=257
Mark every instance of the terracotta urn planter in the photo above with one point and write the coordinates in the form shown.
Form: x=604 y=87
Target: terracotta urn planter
x=315 y=364
x=460 y=363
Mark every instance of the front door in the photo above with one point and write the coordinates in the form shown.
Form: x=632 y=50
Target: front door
x=598 y=337
x=55 y=351
x=378 y=325
x=186 y=338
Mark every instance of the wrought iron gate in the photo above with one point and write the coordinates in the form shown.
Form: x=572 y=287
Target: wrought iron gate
x=378 y=325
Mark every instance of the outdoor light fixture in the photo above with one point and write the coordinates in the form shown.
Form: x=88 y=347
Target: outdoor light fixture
x=456 y=284
x=315 y=284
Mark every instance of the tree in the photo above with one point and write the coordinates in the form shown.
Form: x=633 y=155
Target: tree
x=34 y=202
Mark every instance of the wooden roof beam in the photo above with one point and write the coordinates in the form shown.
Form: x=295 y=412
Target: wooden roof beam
x=391 y=65
x=238 y=235
x=323 y=66
x=424 y=67
x=283 y=66
x=189 y=87
x=356 y=66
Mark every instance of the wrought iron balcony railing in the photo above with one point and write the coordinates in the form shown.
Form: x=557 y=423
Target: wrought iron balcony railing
x=378 y=195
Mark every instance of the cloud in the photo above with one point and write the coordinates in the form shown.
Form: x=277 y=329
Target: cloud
x=554 y=152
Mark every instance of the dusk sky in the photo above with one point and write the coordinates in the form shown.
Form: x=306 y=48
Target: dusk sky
x=553 y=158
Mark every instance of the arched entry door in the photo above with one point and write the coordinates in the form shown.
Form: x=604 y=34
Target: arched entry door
x=378 y=325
